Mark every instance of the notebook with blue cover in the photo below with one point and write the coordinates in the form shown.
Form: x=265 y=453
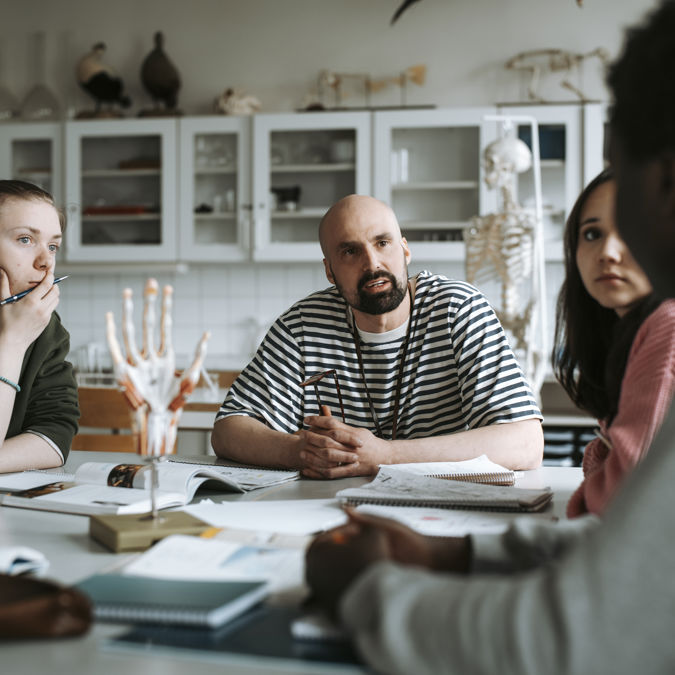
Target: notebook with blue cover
x=129 y=599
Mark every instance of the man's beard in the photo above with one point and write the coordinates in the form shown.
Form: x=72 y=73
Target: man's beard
x=377 y=303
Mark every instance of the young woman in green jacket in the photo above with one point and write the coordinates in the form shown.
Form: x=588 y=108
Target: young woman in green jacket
x=38 y=392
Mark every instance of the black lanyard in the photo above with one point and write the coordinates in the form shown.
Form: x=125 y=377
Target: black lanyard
x=399 y=377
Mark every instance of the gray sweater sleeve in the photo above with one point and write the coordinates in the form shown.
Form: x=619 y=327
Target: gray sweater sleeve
x=604 y=603
x=527 y=544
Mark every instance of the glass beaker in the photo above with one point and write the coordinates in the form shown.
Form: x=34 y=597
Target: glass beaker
x=40 y=103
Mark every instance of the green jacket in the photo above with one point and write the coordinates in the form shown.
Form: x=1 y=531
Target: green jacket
x=47 y=402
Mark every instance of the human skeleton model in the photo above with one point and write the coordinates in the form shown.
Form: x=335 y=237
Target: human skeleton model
x=540 y=61
x=155 y=392
x=500 y=247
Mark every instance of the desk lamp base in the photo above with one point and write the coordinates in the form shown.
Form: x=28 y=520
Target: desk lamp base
x=137 y=532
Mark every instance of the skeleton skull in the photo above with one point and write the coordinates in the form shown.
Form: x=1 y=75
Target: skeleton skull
x=504 y=158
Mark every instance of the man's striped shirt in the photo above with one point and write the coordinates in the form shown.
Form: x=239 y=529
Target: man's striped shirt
x=459 y=372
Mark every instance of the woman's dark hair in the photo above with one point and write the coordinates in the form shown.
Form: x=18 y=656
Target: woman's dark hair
x=19 y=189
x=591 y=344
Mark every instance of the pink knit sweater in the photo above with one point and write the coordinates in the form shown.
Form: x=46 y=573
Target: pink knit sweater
x=646 y=390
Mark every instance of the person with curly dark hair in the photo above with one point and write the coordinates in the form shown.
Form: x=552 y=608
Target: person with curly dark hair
x=584 y=596
x=614 y=348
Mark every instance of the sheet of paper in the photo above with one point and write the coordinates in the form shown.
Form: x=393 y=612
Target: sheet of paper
x=292 y=516
x=447 y=522
x=468 y=466
x=185 y=557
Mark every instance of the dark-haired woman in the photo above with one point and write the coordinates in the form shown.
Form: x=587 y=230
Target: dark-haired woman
x=614 y=350
x=38 y=392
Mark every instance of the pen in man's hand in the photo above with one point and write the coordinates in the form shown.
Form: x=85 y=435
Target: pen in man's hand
x=18 y=296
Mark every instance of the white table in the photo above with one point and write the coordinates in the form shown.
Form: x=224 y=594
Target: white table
x=73 y=556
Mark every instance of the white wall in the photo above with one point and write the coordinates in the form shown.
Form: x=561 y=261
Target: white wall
x=274 y=49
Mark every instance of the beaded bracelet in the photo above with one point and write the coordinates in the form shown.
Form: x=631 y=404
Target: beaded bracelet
x=10 y=383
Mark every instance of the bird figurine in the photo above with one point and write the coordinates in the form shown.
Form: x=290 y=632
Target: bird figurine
x=160 y=79
x=101 y=82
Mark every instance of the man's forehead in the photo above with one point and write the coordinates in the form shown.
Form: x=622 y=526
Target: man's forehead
x=372 y=237
x=352 y=231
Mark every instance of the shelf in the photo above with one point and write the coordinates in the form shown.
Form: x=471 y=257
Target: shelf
x=432 y=225
x=316 y=212
x=118 y=173
x=28 y=173
x=450 y=251
x=119 y=268
x=552 y=163
x=121 y=217
x=215 y=170
x=438 y=185
x=221 y=215
x=311 y=168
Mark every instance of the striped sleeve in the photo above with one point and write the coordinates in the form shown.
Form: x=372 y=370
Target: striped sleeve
x=268 y=388
x=492 y=385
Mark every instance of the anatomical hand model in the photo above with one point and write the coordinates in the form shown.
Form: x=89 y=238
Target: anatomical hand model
x=156 y=393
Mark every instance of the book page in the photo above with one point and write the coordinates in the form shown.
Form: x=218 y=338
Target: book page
x=186 y=557
x=25 y=480
x=91 y=499
x=113 y=474
x=247 y=478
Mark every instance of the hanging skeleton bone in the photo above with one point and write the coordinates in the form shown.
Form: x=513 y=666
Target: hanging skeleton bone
x=500 y=248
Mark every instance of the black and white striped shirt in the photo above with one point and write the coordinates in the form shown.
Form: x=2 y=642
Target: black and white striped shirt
x=459 y=373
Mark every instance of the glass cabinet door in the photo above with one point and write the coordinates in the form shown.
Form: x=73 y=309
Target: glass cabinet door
x=560 y=150
x=32 y=152
x=120 y=183
x=303 y=163
x=428 y=168
x=215 y=206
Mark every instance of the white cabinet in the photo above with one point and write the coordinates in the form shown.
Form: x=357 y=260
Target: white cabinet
x=571 y=151
x=210 y=188
x=303 y=163
x=121 y=179
x=427 y=166
x=215 y=189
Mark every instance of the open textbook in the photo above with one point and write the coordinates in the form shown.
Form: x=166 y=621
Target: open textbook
x=395 y=486
x=105 y=487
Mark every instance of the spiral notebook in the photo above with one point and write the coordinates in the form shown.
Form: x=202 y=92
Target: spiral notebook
x=476 y=470
x=131 y=599
x=395 y=487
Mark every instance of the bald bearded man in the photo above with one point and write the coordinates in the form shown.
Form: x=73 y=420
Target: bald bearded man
x=419 y=369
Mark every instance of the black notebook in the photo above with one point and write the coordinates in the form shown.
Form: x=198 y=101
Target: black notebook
x=128 y=599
